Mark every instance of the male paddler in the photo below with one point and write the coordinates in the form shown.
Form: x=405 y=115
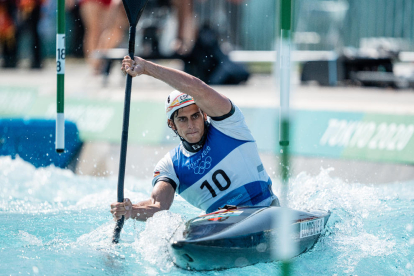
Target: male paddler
x=217 y=162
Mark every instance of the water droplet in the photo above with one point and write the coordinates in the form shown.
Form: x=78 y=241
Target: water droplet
x=261 y=247
x=241 y=262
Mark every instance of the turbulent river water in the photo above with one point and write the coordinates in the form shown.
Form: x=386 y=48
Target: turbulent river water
x=55 y=222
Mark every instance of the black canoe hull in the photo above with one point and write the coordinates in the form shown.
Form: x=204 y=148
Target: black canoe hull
x=241 y=236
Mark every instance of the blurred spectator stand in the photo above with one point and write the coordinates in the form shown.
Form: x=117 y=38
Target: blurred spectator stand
x=18 y=18
x=173 y=33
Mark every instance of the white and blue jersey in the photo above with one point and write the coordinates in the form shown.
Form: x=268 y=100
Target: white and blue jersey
x=227 y=170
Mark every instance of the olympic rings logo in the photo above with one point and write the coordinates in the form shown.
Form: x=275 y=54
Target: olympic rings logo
x=204 y=165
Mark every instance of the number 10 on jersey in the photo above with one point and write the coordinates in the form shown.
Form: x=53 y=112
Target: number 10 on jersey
x=217 y=182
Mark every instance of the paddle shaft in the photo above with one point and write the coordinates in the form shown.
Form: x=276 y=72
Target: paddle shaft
x=124 y=141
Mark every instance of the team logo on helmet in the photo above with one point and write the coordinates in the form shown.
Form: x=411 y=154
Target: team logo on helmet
x=180 y=100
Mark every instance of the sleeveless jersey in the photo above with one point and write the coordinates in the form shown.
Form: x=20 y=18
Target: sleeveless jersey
x=227 y=170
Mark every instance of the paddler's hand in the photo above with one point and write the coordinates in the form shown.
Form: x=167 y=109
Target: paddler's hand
x=133 y=67
x=121 y=209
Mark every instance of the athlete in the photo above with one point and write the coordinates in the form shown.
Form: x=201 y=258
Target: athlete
x=216 y=163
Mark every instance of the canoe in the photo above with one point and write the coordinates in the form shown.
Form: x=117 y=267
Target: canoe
x=241 y=236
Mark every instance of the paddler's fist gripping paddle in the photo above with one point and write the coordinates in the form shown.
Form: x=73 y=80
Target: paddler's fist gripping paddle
x=133 y=9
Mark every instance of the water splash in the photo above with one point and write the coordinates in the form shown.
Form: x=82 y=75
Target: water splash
x=26 y=189
x=50 y=216
x=29 y=239
x=354 y=206
x=152 y=243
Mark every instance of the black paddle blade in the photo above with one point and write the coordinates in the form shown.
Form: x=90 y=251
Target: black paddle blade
x=134 y=9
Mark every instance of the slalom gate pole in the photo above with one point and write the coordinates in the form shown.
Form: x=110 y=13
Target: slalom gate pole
x=286 y=248
x=60 y=70
x=133 y=9
x=284 y=61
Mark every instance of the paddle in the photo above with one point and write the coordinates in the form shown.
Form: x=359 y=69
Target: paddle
x=133 y=9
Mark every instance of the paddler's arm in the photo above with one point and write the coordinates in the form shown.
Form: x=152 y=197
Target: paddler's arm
x=162 y=197
x=210 y=101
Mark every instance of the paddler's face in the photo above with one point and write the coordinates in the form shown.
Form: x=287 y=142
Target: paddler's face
x=189 y=123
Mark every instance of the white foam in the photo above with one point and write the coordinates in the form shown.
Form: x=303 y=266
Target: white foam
x=26 y=189
x=153 y=240
x=352 y=240
x=351 y=204
x=29 y=239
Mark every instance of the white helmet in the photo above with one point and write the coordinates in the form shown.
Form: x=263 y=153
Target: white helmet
x=177 y=100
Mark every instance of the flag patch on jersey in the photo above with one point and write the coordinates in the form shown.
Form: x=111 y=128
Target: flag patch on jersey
x=156 y=174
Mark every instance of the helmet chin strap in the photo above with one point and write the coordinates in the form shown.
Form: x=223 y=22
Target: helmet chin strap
x=194 y=147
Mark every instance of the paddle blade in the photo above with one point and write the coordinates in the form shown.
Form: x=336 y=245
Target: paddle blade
x=134 y=9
